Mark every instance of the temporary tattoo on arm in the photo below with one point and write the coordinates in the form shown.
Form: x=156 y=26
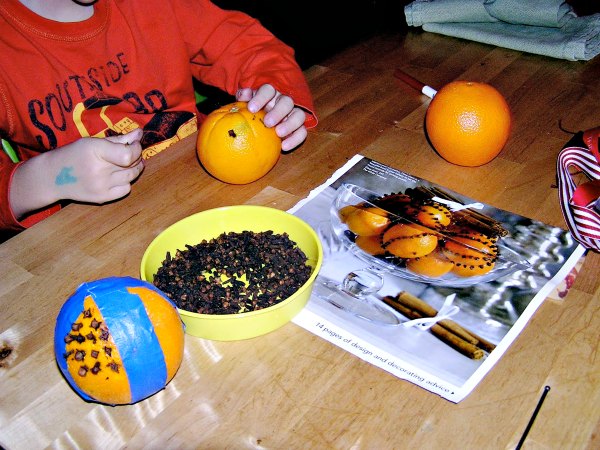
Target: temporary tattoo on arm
x=65 y=177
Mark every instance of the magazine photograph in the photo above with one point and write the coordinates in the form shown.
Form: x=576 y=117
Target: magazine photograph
x=425 y=283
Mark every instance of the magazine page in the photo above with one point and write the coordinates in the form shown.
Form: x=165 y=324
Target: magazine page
x=427 y=284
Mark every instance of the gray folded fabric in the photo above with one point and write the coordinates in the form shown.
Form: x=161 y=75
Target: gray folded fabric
x=541 y=13
x=544 y=27
x=424 y=11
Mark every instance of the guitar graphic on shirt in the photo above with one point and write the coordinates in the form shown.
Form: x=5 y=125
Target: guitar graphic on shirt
x=162 y=130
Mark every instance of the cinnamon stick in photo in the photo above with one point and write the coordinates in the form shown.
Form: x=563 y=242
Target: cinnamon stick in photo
x=416 y=304
x=461 y=345
x=483 y=343
x=464 y=347
x=426 y=310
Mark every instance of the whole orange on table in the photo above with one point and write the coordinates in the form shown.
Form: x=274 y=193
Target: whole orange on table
x=235 y=146
x=468 y=123
x=118 y=340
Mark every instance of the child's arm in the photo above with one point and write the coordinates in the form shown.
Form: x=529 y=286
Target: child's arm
x=233 y=51
x=91 y=170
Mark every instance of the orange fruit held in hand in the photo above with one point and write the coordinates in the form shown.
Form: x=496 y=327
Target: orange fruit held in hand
x=235 y=146
x=468 y=123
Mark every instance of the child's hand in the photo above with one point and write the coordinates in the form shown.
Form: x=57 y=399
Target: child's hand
x=95 y=170
x=282 y=114
x=100 y=170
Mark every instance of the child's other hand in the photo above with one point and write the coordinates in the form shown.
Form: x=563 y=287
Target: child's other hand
x=91 y=170
x=100 y=170
x=282 y=114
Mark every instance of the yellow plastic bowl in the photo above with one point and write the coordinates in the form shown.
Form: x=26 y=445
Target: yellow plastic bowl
x=210 y=224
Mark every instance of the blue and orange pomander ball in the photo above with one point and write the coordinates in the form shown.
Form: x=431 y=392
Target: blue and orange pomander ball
x=118 y=340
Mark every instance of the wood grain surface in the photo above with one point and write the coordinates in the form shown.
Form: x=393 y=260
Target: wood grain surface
x=291 y=389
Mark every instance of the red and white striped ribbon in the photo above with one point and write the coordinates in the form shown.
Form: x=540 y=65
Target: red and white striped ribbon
x=577 y=201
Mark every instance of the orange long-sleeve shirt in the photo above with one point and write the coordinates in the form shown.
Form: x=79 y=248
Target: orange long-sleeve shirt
x=130 y=65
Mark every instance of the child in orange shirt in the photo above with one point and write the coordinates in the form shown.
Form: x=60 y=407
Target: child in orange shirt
x=90 y=89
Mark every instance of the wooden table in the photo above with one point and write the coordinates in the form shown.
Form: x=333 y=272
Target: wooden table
x=291 y=389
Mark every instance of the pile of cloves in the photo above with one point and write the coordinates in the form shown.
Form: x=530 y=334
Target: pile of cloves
x=234 y=273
